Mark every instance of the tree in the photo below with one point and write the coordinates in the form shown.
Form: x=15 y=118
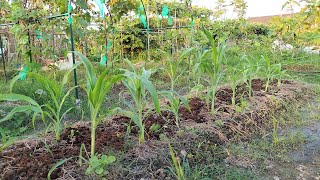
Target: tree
x=221 y=8
x=290 y=4
x=239 y=7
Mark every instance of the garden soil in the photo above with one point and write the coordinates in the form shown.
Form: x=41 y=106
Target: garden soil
x=32 y=159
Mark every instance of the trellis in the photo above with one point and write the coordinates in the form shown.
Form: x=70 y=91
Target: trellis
x=144 y=20
x=69 y=15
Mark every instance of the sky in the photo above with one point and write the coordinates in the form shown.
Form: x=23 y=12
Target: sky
x=255 y=7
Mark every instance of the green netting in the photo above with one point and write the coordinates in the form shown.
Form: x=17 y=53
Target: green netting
x=143 y=20
x=103 y=60
x=165 y=11
x=38 y=34
x=100 y=4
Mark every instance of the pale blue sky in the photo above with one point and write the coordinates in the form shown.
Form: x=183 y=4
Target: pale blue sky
x=255 y=7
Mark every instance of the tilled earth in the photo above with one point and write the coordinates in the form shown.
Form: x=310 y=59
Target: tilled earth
x=32 y=159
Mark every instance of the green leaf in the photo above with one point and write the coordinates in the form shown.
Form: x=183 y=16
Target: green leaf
x=91 y=75
x=56 y=166
x=152 y=90
x=20 y=109
x=99 y=171
x=111 y=159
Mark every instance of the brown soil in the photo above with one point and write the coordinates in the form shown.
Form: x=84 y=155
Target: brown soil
x=33 y=159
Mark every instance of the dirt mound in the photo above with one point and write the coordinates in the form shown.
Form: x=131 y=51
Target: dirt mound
x=33 y=159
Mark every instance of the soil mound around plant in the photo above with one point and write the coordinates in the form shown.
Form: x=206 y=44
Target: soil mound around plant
x=32 y=159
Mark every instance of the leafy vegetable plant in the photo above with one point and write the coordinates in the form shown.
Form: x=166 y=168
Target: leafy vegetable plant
x=97 y=165
x=138 y=87
x=175 y=101
x=97 y=89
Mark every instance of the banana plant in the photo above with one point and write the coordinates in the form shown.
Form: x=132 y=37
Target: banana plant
x=175 y=101
x=211 y=65
x=172 y=66
x=138 y=87
x=97 y=89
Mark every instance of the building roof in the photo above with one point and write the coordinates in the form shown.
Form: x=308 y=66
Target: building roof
x=267 y=19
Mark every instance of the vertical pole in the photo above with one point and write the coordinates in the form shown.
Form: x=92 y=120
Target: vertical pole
x=53 y=44
x=148 y=33
x=3 y=62
x=73 y=62
x=29 y=42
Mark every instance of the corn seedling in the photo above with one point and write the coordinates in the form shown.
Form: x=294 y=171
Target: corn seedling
x=173 y=65
x=175 y=101
x=31 y=105
x=138 y=85
x=97 y=89
x=271 y=71
x=251 y=70
x=55 y=90
x=234 y=77
x=211 y=64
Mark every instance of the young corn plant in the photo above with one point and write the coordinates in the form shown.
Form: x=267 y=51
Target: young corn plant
x=175 y=101
x=271 y=71
x=97 y=89
x=138 y=87
x=55 y=108
x=252 y=68
x=211 y=64
x=234 y=77
x=197 y=72
x=173 y=65
x=29 y=105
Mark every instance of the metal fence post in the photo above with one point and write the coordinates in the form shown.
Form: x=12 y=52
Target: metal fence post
x=73 y=62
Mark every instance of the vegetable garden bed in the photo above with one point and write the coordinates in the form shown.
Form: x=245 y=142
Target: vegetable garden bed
x=33 y=159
